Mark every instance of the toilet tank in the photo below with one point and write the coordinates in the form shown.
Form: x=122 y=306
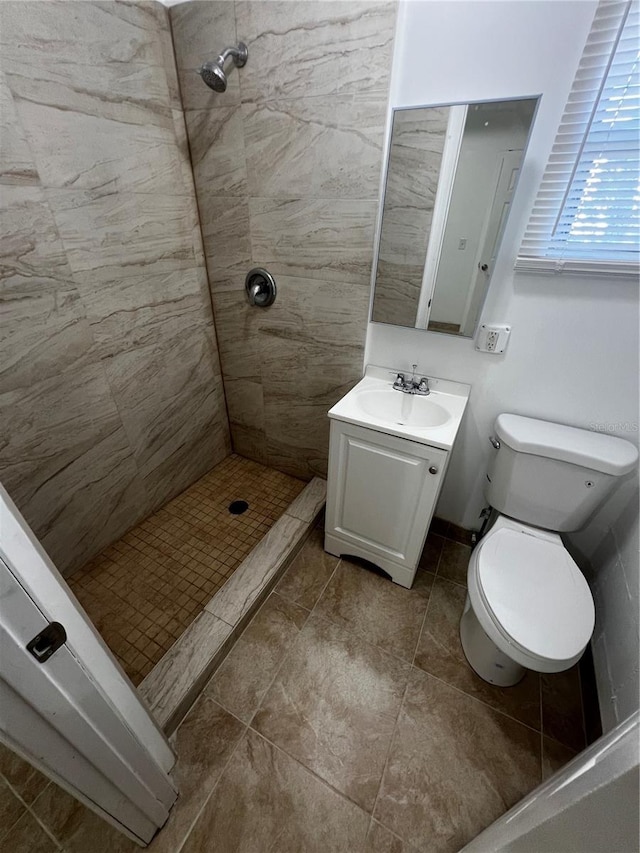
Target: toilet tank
x=553 y=476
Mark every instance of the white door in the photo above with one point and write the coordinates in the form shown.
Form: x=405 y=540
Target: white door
x=65 y=704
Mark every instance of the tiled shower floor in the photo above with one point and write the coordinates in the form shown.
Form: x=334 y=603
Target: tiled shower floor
x=145 y=589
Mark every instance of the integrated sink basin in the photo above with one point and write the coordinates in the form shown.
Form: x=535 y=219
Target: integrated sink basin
x=433 y=419
x=394 y=407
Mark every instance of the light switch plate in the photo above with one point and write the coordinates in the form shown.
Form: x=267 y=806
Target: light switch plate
x=492 y=338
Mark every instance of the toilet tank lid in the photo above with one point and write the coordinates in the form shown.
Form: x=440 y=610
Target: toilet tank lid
x=593 y=450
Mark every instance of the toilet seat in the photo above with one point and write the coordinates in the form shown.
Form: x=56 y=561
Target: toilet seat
x=531 y=597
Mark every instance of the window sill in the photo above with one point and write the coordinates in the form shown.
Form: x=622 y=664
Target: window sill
x=548 y=266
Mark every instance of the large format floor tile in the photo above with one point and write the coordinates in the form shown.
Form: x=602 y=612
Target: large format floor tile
x=385 y=614
x=309 y=573
x=333 y=706
x=454 y=561
x=266 y=801
x=468 y=765
x=440 y=653
x=245 y=675
x=562 y=717
x=203 y=744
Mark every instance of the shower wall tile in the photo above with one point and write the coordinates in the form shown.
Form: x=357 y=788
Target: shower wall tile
x=314 y=237
x=251 y=443
x=111 y=397
x=44 y=327
x=115 y=156
x=227 y=240
x=238 y=327
x=98 y=33
x=121 y=91
x=311 y=349
x=67 y=464
x=16 y=163
x=315 y=48
x=140 y=310
x=121 y=234
x=245 y=403
x=160 y=418
x=314 y=147
x=165 y=41
x=217 y=143
x=288 y=181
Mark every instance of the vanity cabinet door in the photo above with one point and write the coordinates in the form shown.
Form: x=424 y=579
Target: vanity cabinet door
x=381 y=496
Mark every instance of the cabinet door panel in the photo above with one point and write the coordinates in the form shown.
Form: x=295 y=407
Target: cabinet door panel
x=381 y=492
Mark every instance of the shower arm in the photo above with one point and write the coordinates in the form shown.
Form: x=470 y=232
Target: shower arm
x=238 y=54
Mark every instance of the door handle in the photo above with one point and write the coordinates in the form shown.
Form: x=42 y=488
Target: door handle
x=47 y=642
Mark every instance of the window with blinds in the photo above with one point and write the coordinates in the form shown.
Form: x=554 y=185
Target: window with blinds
x=586 y=217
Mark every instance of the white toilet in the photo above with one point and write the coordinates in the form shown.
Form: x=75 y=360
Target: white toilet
x=528 y=604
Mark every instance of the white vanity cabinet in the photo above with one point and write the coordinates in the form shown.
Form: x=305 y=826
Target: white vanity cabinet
x=382 y=492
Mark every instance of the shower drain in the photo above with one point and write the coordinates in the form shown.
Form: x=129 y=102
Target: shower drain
x=238 y=507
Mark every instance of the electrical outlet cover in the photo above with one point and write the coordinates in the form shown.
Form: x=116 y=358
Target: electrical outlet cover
x=492 y=338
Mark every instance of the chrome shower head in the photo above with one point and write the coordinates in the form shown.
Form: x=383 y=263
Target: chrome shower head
x=212 y=72
x=213 y=75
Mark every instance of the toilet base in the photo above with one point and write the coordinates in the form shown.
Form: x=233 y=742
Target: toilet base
x=484 y=657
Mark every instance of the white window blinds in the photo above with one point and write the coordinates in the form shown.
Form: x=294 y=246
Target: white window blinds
x=586 y=214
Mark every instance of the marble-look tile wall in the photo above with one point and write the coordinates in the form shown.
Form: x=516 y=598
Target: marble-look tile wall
x=287 y=166
x=111 y=396
x=417 y=143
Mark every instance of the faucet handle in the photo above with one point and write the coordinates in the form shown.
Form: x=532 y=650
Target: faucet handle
x=423 y=385
x=399 y=380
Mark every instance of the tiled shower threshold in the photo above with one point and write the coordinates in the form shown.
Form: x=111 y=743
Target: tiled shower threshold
x=176 y=680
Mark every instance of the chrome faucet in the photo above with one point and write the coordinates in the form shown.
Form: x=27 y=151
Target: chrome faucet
x=413 y=385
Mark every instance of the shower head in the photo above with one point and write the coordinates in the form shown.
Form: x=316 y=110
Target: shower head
x=212 y=72
x=213 y=75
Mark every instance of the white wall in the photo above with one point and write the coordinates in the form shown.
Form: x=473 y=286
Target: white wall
x=573 y=354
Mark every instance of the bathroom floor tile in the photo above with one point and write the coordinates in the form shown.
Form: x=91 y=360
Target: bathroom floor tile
x=454 y=766
x=204 y=742
x=454 y=561
x=11 y=808
x=333 y=706
x=554 y=756
x=440 y=653
x=144 y=590
x=246 y=673
x=25 y=780
x=268 y=802
x=431 y=552
x=383 y=613
x=382 y=840
x=309 y=573
x=562 y=717
x=27 y=836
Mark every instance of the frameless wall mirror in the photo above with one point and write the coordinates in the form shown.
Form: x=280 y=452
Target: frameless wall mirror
x=451 y=175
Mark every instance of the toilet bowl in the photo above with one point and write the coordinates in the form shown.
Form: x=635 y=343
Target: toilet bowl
x=528 y=605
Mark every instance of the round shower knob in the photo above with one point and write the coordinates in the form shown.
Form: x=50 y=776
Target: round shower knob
x=433 y=470
x=261 y=287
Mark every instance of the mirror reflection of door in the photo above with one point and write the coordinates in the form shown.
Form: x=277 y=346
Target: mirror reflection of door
x=508 y=171
x=439 y=238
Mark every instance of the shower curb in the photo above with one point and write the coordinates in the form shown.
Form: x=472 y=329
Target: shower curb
x=178 y=678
